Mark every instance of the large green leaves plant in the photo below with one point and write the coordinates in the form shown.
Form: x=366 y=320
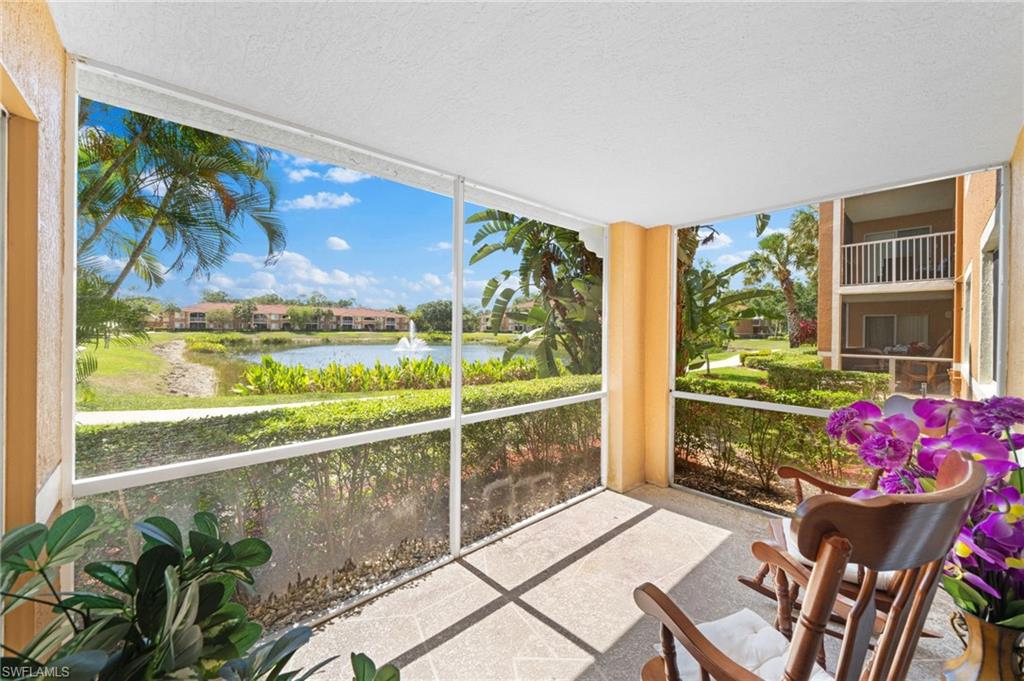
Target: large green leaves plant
x=559 y=281
x=170 y=614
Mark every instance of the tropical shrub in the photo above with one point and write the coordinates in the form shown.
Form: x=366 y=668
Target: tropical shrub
x=807 y=331
x=171 y=614
x=754 y=356
x=206 y=347
x=822 y=399
x=869 y=386
x=273 y=377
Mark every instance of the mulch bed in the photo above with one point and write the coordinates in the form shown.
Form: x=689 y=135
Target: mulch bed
x=739 y=486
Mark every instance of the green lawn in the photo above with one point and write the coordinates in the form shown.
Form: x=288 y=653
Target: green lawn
x=122 y=369
x=735 y=374
x=121 y=401
x=739 y=344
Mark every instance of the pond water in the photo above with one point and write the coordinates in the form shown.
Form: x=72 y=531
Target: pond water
x=318 y=356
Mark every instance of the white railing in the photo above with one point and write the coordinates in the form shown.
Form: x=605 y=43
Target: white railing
x=927 y=257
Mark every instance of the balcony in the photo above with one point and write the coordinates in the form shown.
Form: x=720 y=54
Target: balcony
x=924 y=262
x=553 y=600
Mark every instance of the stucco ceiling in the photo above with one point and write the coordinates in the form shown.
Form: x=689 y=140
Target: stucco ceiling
x=653 y=113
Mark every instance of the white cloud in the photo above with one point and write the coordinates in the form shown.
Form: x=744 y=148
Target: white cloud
x=721 y=240
x=440 y=246
x=431 y=279
x=301 y=174
x=318 y=201
x=294 y=274
x=105 y=263
x=336 y=243
x=344 y=175
x=729 y=259
x=221 y=282
x=300 y=161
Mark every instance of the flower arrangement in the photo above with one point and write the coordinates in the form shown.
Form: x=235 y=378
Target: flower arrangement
x=907 y=440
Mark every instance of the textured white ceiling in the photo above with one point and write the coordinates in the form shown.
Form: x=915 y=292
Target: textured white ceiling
x=653 y=113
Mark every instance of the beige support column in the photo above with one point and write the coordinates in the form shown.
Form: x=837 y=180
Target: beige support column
x=639 y=318
x=659 y=337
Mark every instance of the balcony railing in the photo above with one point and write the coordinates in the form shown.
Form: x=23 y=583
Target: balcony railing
x=927 y=257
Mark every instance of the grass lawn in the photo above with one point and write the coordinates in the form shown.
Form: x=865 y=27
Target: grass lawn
x=739 y=344
x=129 y=370
x=121 y=401
x=737 y=374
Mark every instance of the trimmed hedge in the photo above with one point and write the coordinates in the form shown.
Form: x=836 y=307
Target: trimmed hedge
x=803 y=371
x=822 y=399
x=110 y=448
x=870 y=386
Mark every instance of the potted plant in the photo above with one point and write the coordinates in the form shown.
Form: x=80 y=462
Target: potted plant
x=171 y=614
x=905 y=442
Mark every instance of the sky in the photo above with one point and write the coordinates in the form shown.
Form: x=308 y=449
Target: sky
x=349 y=235
x=737 y=241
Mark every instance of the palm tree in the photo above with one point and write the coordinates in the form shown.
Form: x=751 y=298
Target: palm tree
x=781 y=255
x=556 y=270
x=206 y=186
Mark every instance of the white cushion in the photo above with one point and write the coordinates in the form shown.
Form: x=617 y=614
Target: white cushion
x=851 y=574
x=750 y=642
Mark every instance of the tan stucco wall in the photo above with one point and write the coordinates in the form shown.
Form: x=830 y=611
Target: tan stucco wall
x=32 y=75
x=33 y=57
x=1015 y=354
x=639 y=318
x=825 y=210
x=940 y=317
x=978 y=198
x=939 y=220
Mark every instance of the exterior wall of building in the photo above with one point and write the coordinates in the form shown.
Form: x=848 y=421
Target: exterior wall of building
x=940 y=318
x=939 y=221
x=825 y=269
x=1015 y=313
x=32 y=85
x=978 y=202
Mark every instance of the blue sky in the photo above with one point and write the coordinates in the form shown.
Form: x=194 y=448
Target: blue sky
x=737 y=241
x=349 y=235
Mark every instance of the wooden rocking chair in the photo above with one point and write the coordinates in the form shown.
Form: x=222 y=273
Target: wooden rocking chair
x=909 y=535
x=786 y=592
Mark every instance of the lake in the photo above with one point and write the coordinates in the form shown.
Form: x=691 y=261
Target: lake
x=317 y=356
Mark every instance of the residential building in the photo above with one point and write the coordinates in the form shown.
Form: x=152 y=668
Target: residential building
x=908 y=284
x=754 y=327
x=274 y=317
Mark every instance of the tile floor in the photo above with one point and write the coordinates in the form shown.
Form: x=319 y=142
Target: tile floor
x=554 y=600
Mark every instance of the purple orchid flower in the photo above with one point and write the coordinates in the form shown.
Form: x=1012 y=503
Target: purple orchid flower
x=885 y=451
x=853 y=422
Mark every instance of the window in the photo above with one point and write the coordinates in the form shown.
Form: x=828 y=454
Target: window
x=386 y=470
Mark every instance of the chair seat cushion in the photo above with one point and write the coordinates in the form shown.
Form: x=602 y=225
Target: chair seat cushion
x=851 y=575
x=750 y=642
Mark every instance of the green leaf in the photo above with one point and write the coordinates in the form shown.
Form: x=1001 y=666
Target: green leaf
x=211 y=596
x=93 y=602
x=1016 y=622
x=68 y=529
x=363 y=667
x=20 y=537
x=206 y=523
x=160 y=531
x=388 y=672
x=251 y=552
x=203 y=545
x=117 y=574
x=245 y=636
x=81 y=666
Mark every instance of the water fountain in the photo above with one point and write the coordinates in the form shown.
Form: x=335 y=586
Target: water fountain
x=410 y=343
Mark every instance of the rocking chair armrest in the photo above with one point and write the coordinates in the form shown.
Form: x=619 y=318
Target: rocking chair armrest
x=772 y=554
x=791 y=473
x=776 y=556
x=657 y=604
